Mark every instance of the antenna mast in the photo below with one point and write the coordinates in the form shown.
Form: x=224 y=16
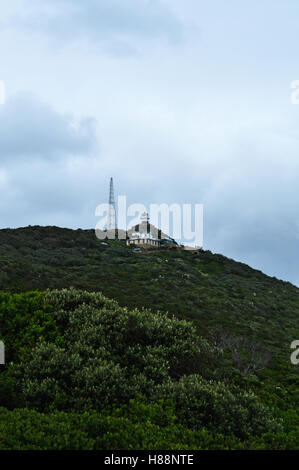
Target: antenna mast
x=112 y=212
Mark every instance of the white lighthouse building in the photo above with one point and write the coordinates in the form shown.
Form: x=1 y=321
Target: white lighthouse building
x=147 y=235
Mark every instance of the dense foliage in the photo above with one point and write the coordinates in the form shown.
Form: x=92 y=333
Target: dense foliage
x=211 y=290
x=86 y=372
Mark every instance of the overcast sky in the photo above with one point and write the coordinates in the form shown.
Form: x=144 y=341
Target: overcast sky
x=182 y=101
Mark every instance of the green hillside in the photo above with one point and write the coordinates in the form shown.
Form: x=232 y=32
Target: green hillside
x=237 y=322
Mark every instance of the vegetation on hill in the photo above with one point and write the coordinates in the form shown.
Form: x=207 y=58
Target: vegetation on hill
x=189 y=351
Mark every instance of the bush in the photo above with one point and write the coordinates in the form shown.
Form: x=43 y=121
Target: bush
x=202 y=403
x=91 y=355
x=110 y=354
x=134 y=426
x=25 y=319
x=23 y=429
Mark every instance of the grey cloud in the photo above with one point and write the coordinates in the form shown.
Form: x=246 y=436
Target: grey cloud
x=43 y=155
x=117 y=20
x=251 y=207
x=30 y=128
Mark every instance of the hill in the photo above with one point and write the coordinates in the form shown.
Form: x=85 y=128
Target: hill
x=209 y=289
x=247 y=318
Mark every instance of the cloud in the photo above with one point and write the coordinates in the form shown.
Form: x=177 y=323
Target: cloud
x=251 y=204
x=32 y=129
x=43 y=155
x=118 y=24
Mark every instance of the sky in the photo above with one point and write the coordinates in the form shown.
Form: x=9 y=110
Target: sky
x=181 y=101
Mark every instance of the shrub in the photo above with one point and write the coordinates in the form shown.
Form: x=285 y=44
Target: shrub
x=109 y=355
x=24 y=320
x=104 y=355
x=202 y=403
x=23 y=429
x=134 y=426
